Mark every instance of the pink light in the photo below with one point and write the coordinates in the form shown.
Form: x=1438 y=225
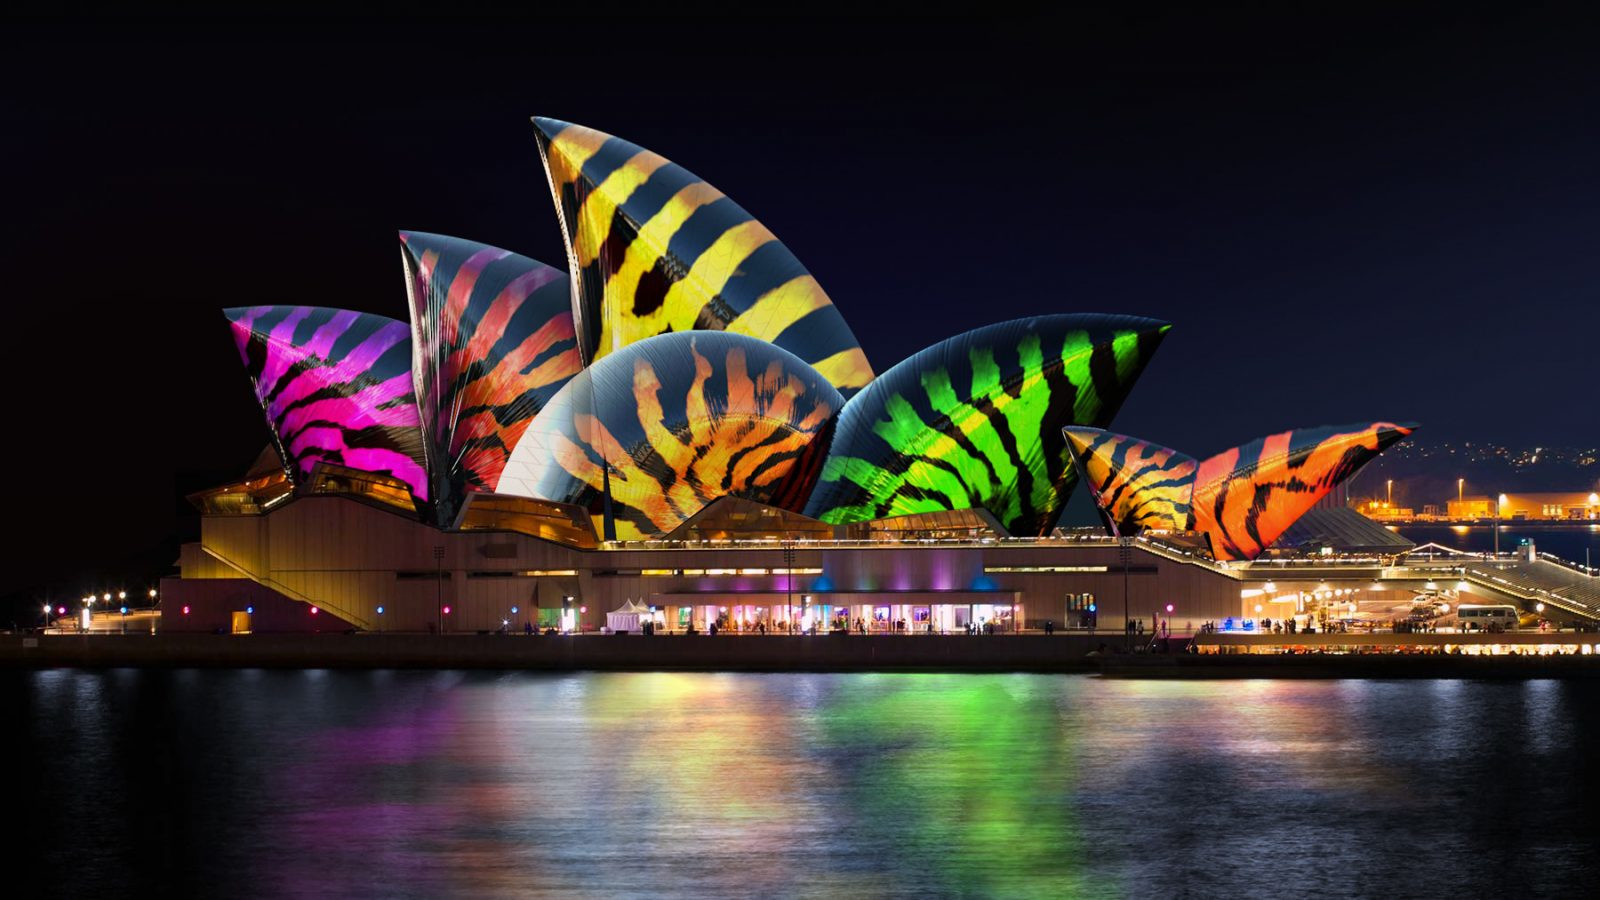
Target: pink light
x=62 y=610
x=186 y=610
x=314 y=610
x=447 y=610
x=583 y=609
x=1169 y=607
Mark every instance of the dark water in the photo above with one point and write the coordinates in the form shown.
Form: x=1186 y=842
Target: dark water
x=1567 y=541
x=255 y=783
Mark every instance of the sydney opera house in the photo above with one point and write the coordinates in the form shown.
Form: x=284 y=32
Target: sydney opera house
x=681 y=425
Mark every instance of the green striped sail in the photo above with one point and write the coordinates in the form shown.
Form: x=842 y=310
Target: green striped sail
x=975 y=421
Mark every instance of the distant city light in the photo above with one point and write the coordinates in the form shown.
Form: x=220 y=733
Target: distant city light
x=186 y=610
x=447 y=610
x=314 y=610
x=380 y=610
x=249 y=610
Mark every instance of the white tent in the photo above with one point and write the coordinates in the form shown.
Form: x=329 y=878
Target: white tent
x=626 y=617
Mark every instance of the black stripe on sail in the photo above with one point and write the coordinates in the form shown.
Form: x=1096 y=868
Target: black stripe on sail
x=1103 y=370
x=770 y=266
x=649 y=198
x=702 y=228
x=817 y=335
x=608 y=159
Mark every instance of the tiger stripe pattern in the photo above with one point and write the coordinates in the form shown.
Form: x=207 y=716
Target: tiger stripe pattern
x=975 y=421
x=653 y=249
x=335 y=386
x=681 y=420
x=493 y=341
x=1138 y=486
x=1244 y=498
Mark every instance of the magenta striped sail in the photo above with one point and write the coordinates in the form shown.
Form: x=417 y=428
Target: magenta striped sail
x=493 y=341
x=336 y=387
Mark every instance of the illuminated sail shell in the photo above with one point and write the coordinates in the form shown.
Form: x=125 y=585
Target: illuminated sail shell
x=1246 y=497
x=1137 y=485
x=654 y=249
x=336 y=387
x=975 y=421
x=493 y=341
x=681 y=420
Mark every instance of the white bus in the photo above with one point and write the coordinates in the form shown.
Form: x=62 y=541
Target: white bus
x=1486 y=617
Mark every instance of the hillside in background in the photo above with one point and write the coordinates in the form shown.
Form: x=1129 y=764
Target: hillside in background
x=1425 y=472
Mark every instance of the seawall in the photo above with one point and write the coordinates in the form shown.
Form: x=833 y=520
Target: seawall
x=771 y=653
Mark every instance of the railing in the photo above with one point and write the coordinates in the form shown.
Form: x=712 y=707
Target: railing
x=776 y=543
x=1532 y=593
x=287 y=591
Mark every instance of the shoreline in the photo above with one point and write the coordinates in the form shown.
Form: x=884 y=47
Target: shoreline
x=1066 y=654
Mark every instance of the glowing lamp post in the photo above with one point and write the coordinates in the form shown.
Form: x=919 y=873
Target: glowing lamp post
x=1499 y=510
x=438 y=584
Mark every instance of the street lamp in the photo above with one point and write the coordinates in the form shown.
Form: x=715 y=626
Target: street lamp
x=1125 y=554
x=1499 y=509
x=438 y=584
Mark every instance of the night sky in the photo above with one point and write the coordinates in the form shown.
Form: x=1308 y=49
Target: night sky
x=1347 y=219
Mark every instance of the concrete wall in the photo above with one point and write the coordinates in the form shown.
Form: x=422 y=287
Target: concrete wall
x=350 y=559
x=208 y=605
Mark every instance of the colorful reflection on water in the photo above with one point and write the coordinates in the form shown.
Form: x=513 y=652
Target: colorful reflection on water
x=707 y=785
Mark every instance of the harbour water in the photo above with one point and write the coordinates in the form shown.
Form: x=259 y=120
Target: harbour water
x=1566 y=541
x=428 y=784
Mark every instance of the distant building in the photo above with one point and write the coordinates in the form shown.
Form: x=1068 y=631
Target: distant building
x=1384 y=512
x=1470 y=508
x=1546 y=507
x=1550 y=506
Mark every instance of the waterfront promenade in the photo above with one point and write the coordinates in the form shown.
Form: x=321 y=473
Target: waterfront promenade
x=1523 y=654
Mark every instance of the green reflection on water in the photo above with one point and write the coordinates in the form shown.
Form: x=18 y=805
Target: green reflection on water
x=977 y=772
